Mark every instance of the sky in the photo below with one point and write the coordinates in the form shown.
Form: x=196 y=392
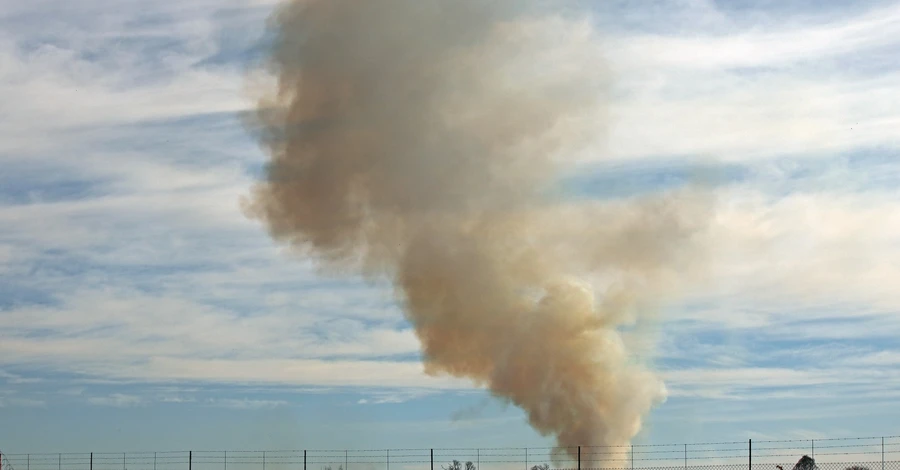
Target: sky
x=141 y=310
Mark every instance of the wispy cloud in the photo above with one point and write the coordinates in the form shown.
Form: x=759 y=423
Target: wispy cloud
x=118 y=400
x=395 y=396
x=10 y=378
x=889 y=358
x=730 y=90
x=11 y=399
x=246 y=404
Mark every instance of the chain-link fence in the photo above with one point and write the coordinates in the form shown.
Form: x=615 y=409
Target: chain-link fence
x=876 y=453
x=4 y=463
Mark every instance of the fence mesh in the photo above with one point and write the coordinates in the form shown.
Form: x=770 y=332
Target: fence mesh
x=877 y=453
x=4 y=463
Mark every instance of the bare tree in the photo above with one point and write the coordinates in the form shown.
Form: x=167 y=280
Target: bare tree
x=455 y=465
x=471 y=466
x=542 y=466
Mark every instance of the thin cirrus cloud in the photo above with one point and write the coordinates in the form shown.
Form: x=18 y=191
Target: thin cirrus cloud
x=741 y=91
x=128 y=258
x=121 y=400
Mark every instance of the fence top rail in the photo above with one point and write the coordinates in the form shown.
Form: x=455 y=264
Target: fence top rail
x=831 y=439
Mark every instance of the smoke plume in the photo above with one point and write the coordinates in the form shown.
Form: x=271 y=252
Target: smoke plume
x=423 y=141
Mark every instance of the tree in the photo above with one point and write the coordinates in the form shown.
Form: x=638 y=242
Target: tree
x=457 y=465
x=806 y=463
x=542 y=466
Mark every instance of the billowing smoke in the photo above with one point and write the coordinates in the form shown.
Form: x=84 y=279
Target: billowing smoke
x=424 y=141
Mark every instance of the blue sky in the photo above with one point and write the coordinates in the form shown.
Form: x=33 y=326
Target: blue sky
x=139 y=309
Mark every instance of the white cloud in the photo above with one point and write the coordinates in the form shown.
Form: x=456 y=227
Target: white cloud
x=776 y=43
x=136 y=336
x=52 y=91
x=751 y=91
x=726 y=116
x=759 y=377
x=22 y=402
x=177 y=399
x=395 y=396
x=10 y=378
x=10 y=397
x=282 y=371
x=824 y=255
x=889 y=358
x=246 y=404
x=118 y=400
x=825 y=381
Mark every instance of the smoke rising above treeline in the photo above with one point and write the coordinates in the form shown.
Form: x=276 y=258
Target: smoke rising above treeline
x=423 y=141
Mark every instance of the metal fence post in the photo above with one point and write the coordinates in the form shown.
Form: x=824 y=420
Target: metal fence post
x=225 y=459
x=346 y=462
x=632 y=457
x=92 y=461
x=478 y=458
x=882 y=453
x=388 y=458
x=28 y=461
x=579 y=457
x=304 y=459
x=123 y=460
x=154 y=461
x=432 y=459
x=685 y=457
x=59 y=463
x=526 y=458
x=750 y=454
x=190 y=459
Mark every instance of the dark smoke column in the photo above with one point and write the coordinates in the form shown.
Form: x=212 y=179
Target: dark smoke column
x=421 y=141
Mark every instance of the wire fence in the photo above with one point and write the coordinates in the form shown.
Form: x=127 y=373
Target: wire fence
x=868 y=453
